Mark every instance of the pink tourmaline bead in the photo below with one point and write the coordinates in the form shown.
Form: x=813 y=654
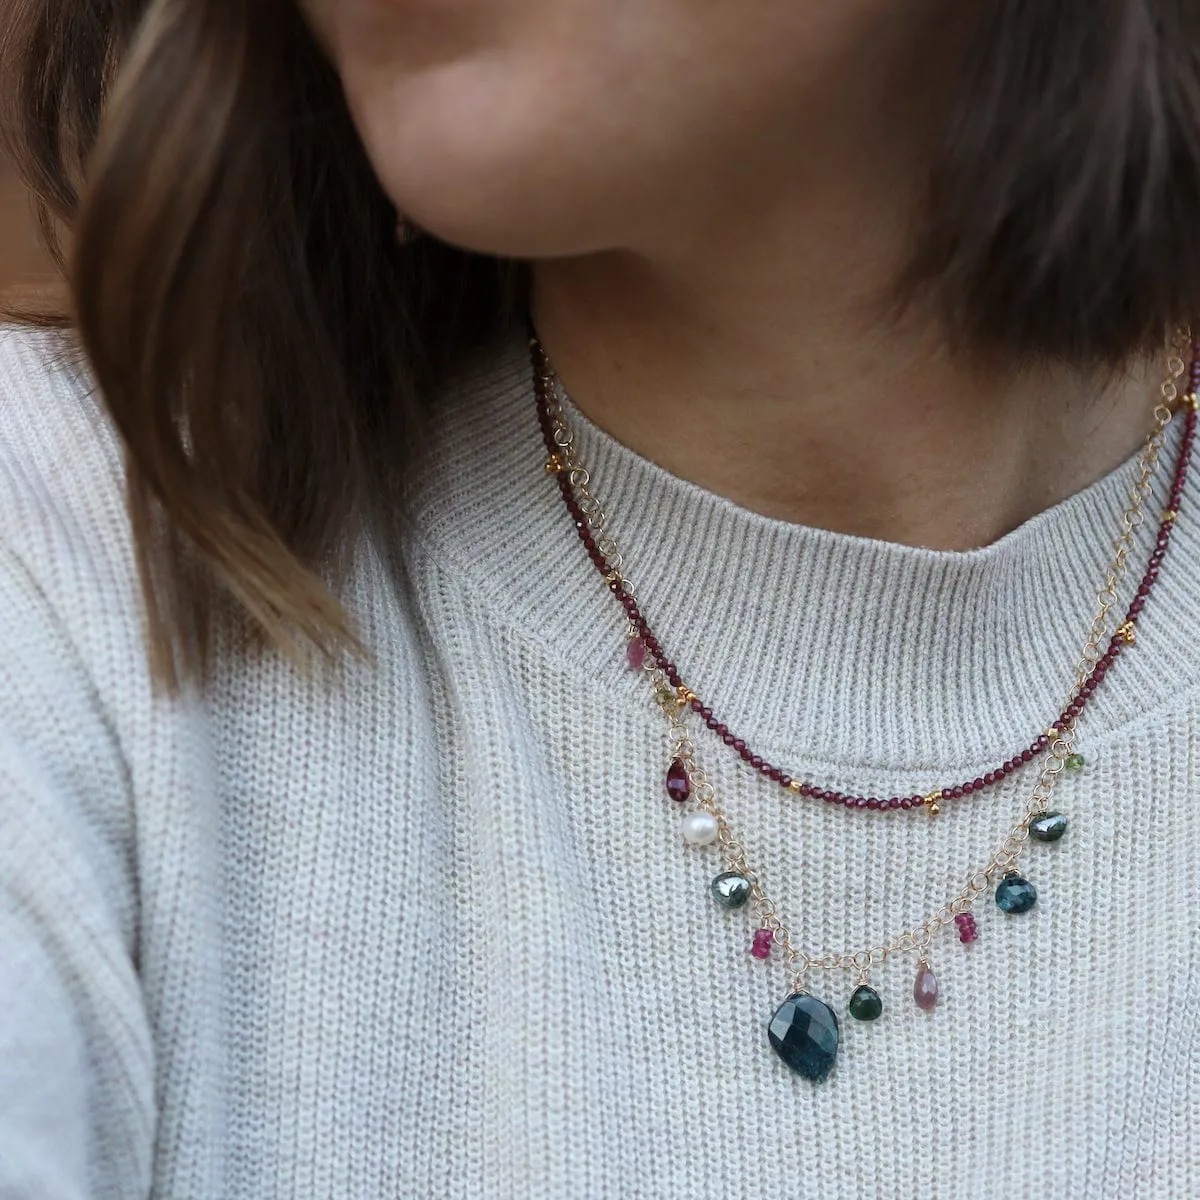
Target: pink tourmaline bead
x=635 y=654
x=761 y=947
x=925 y=989
x=967 y=932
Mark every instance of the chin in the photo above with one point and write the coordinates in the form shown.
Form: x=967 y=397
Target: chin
x=492 y=171
x=487 y=217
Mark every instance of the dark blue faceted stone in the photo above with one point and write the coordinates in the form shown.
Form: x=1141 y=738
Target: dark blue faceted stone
x=804 y=1033
x=1015 y=895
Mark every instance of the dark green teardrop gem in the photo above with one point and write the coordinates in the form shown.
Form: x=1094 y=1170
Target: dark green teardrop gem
x=1048 y=827
x=731 y=889
x=865 y=1004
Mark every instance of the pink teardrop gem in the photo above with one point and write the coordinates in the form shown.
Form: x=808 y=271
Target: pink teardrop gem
x=925 y=989
x=761 y=946
x=679 y=786
x=635 y=654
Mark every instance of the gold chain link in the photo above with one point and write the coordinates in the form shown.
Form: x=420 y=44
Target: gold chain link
x=1132 y=518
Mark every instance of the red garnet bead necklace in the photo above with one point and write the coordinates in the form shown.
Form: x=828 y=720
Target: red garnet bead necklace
x=804 y=1031
x=645 y=648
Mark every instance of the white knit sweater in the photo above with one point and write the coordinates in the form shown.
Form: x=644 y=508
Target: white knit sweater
x=429 y=929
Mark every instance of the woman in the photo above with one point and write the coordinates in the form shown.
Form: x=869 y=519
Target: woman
x=606 y=608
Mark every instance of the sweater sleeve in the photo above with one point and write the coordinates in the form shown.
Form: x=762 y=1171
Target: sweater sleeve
x=76 y=1070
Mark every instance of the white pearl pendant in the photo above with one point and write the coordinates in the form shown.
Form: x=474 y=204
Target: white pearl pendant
x=700 y=828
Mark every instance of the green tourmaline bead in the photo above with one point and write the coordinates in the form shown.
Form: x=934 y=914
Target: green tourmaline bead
x=1048 y=827
x=1074 y=762
x=731 y=889
x=865 y=1004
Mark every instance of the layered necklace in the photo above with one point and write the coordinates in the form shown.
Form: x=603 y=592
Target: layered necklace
x=805 y=1030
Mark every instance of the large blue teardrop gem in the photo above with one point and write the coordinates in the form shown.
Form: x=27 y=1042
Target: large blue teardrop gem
x=804 y=1033
x=1015 y=894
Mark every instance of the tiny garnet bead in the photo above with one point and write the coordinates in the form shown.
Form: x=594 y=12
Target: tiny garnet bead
x=761 y=946
x=679 y=787
x=967 y=932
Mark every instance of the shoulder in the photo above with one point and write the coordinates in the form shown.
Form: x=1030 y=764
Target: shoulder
x=78 y=1047
x=60 y=461
x=70 y=602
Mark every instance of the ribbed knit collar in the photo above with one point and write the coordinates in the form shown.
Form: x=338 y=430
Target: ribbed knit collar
x=829 y=648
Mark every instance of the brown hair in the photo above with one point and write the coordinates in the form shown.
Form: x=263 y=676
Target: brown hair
x=263 y=342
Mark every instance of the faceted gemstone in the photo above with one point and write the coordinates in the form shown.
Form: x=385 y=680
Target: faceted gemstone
x=761 y=946
x=865 y=1004
x=679 y=787
x=1048 y=827
x=1074 y=762
x=804 y=1033
x=925 y=987
x=700 y=828
x=731 y=889
x=967 y=933
x=1015 y=894
x=635 y=654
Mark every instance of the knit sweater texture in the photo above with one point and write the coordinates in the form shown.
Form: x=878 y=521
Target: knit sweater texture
x=425 y=926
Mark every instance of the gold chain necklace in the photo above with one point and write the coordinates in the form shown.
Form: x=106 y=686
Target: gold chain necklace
x=804 y=1030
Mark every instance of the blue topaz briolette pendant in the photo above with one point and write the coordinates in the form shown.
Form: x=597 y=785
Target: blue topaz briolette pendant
x=804 y=1032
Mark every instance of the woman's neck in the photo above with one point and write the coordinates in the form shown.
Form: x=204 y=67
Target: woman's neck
x=786 y=391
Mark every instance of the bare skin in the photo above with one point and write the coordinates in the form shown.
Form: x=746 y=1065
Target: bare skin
x=748 y=386
x=714 y=208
